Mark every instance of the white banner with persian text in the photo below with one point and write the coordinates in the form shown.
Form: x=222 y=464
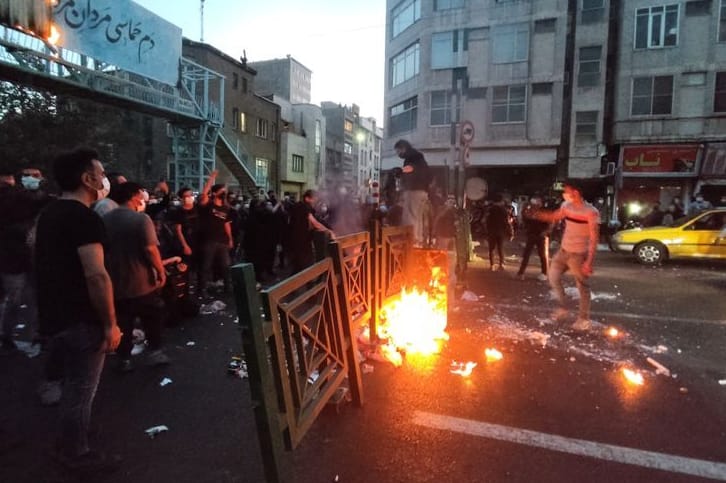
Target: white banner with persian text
x=121 y=33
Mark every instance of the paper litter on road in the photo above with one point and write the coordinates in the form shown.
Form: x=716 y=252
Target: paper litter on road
x=469 y=296
x=659 y=368
x=191 y=343
x=165 y=382
x=154 y=430
x=212 y=308
x=722 y=382
x=28 y=348
x=366 y=368
x=20 y=326
x=138 y=349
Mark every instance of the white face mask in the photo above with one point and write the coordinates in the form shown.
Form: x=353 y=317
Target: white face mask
x=105 y=190
x=30 y=183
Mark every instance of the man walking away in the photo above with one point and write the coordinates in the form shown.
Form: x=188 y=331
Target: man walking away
x=537 y=236
x=75 y=299
x=416 y=179
x=577 y=251
x=497 y=222
x=135 y=266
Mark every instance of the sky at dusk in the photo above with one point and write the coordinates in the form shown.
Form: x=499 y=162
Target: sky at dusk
x=342 y=42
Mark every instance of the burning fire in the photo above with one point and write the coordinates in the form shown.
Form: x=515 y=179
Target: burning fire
x=613 y=332
x=415 y=322
x=633 y=377
x=463 y=369
x=54 y=36
x=493 y=355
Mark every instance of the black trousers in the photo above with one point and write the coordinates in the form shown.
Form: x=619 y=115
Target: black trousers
x=541 y=243
x=496 y=242
x=149 y=309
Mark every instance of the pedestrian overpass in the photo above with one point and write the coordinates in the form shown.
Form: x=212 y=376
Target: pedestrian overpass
x=193 y=106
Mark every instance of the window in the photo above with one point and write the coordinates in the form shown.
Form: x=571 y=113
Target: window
x=447 y=4
x=508 y=103
x=445 y=47
x=441 y=108
x=348 y=148
x=592 y=11
x=405 y=65
x=235 y=118
x=297 y=163
x=589 y=73
x=511 y=43
x=235 y=80
x=262 y=127
x=585 y=127
x=722 y=22
x=242 y=122
x=656 y=27
x=244 y=84
x=404 y=15
x=542 y=89
x=318 y=136
x=402 y=116
x=261 y=172
x=652 y=95
x=545 y=25
x=719 y=97
x=348 y=126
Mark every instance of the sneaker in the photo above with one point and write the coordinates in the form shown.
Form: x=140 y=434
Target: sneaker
x=157 y=358
x=542 y=277
x=495 y=267
x=124 y=366
x=559 y=314
x=50 y=392
x=582 y=325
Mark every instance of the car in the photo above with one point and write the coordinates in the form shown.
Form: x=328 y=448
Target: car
x=702 y=235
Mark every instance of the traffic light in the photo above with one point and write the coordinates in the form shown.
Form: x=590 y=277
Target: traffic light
x=28 y=15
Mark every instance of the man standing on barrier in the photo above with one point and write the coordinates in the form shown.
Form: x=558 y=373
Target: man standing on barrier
x=416 y=180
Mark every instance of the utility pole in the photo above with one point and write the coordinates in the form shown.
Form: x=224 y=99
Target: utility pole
x=201 y=20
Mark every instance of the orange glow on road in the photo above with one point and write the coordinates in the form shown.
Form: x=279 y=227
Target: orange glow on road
x=633 y=377
x=463 y=369
x=493 y=355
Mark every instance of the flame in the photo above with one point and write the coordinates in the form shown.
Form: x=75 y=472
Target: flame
x=633 y=377
x=463 y=369
x=613 y=332
x=493 y=355
x=415 y=322
x=54 y=36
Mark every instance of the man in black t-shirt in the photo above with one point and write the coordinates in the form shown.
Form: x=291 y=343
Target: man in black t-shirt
x=302 y=225
x=215 y=234
x=416 y=179
x=75 y=298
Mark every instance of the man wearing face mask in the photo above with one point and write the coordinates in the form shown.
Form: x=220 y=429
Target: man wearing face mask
x=19 y=206
x=416 y=180
x=577 y=251
x=106 y=199
x=215 y=230
x=137 y=272
x=75 y=300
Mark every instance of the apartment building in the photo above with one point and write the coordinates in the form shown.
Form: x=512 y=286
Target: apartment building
x=629 y=94
x=286 y=77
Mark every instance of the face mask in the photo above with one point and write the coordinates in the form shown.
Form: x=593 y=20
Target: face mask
x=30 y=183
x=105 y=190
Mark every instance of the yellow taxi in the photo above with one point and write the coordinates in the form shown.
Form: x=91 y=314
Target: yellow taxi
x=697 y=236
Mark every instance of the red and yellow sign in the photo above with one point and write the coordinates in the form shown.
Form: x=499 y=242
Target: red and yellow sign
x=662 y=158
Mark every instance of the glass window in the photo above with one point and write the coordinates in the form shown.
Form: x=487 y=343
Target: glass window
x=404 y=15
x=652 y=95
x=242 y=122
x=589 y=69
x=402 y=116
x=405 y=65
x=508 y=104
x=656 y=27
x=262 y=127
x=511 y=43
x=585 y=127
x=592 y=11
x=447 y=4
x=348 y=126
x=440 y=108
x=445 y=48
x=348 y=148
x=719 y=98
x=722 y=22
x=235 y=118
x=318 y=136
x=261 y=172
x=298 y=163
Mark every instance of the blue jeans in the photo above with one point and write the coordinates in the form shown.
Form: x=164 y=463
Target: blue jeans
x=17 y=289
x=562 y=262
x=81 y=347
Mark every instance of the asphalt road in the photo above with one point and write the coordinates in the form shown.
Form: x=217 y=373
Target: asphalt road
x=555 y=408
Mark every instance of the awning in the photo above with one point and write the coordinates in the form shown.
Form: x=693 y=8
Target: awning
x=714 y=161
x=487 y=158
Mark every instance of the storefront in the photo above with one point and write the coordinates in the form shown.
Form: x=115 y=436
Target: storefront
x=712 y=181
x=655 y=173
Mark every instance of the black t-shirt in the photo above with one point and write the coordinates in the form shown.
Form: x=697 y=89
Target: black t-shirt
x=420 y=178
x=189 y=221
x=63 y=299
x=300 y=230
x=212 y=219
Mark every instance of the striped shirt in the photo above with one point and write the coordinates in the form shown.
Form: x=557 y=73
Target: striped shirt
x=578 y=226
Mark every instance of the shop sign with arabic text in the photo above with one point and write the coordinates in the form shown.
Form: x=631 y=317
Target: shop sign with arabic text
x=660 y=159
x=121 y=33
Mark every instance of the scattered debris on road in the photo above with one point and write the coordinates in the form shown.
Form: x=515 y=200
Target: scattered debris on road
x=155 y=430
x=165 y=382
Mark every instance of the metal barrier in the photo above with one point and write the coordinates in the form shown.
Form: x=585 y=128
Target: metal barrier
x=299 y=337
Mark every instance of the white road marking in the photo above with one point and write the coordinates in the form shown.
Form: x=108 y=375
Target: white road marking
x=619 y=454
x=619 y=315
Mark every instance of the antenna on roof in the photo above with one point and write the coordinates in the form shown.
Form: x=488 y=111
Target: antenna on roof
x=201 y=20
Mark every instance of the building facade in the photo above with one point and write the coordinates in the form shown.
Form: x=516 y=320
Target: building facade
x=286 y=78
x=248 y=148
x=629 y=94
